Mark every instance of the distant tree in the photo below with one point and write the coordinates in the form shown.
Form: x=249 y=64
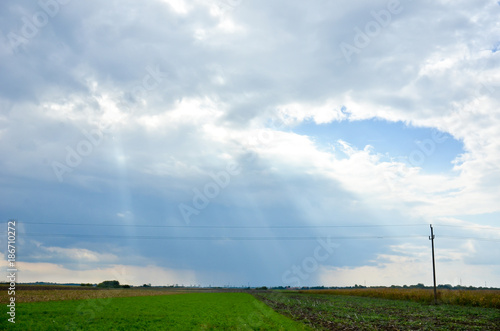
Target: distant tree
x=445 y=286
x=109 y=284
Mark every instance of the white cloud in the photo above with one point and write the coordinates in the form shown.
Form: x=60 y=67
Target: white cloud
x=81 y=255
x=325 y=113
x=125 y=215
x=179 y=6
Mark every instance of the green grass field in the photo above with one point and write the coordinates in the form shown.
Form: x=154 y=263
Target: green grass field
x=193 y=311
x=342 y=312
x=160 y=309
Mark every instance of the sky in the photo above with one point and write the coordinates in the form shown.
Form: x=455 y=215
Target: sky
x=251 y=143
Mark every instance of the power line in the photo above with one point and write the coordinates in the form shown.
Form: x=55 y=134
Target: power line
x=225 y=226
x=486 y=227
x=232 y=238
x=245 y=227
x=240 y=238
x=470 y=238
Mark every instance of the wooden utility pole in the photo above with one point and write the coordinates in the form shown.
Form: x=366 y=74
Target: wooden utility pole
x=431 y=238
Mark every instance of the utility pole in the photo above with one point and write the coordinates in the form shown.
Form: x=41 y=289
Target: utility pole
x=431 y=238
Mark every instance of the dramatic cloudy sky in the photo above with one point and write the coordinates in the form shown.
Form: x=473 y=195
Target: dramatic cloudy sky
x=251 y=142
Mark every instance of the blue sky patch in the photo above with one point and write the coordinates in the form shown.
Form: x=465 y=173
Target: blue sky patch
x=425 y=147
